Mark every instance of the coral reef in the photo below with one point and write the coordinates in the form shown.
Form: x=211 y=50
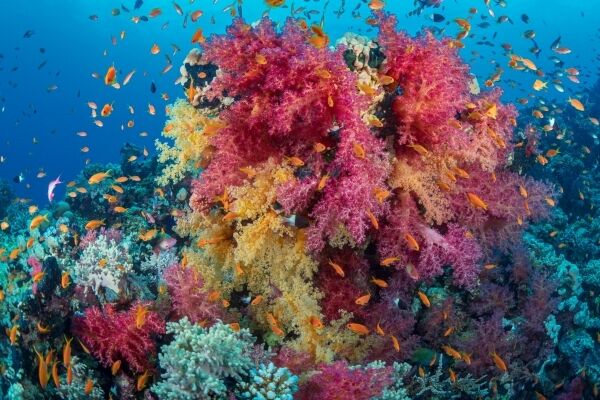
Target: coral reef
x=345 y=222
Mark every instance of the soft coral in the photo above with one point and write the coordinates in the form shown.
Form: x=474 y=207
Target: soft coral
x=112 y=335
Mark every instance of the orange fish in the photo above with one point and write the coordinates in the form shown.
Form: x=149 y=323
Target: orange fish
x=195 y=15
x=89 y=386
x=337 y=268
x=155 y=49
x=386 y=262
x=379 y=330
x=43 y=376
x=395 y=343
x=379 y=282
x=476 y=201
x=322 y=182
x=376 y=5
x=419 y=149
x=13 y=334
x=107 y=109
x=499 y=362
x=115 y=367
x=55 y=377
x=67 y=352
x=411 y=242
x=373 y=220
x=359 y=150
x=142 y=380
x=363 y=300
x=452 y=352
x=576 y=104
x=452 y=375
x=198 y=37
x=140 y=316
x=424 y=299
x=359 y=329
x=110 y=76
x=155 y=12
x=257 y=300
x=319 y=39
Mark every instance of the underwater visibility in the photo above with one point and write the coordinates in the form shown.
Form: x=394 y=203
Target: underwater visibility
x=307 y=199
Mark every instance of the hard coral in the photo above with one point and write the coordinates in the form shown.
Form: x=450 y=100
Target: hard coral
x=200 y=363
x=113 y=335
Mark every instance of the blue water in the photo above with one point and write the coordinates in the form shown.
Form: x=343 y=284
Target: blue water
x=76 y=46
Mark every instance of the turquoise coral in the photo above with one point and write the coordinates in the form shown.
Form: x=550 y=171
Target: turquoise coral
x=268 y=382
x=198 y=362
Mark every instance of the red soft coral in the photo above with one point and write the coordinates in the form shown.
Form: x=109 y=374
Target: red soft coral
x=337 y=381
x=112 y=335
x=297 y=96
x=189 y=297
x=433 y=81
x=507 y=211
x=281 y=105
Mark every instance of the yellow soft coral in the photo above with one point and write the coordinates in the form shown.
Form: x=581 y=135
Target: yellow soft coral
x=187 y=127
x=258 y=194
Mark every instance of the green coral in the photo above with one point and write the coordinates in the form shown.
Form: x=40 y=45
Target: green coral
x=268 y=382
x=199 y=363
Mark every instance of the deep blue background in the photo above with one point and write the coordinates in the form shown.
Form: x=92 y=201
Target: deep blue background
x=74 y=47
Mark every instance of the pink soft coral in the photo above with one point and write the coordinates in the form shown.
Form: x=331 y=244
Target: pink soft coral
x=433 y=82
x=296 y=97
x=337 y=381
x=189 y=297
x=112 y=335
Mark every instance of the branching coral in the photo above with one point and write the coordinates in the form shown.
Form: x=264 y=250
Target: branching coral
x=268 y=382
x=103 y=263
x=198 y=362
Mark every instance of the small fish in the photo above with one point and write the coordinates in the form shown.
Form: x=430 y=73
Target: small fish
x=110 y=76
x=576 y=104
x=359 y=329
x=452 y=352
x=363 y=300
x=37 y=221
x=65 y=280
x=142 y=381
x=89 y=386
x=98 y=177
x=424 y=299
x=386 y=262
x=395 y=343
x=114 y=369
x=437 y=18
x=379 y=282
x=337 y=268
x=499 y=362
x=94 y=224
x=476 y=201
x=140 y=316
x=539 y=85
x=411 y=242
x=67 y=352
